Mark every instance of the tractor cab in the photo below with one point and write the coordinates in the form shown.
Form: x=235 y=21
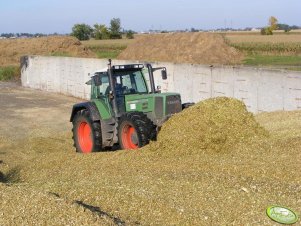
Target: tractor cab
x=124 y=82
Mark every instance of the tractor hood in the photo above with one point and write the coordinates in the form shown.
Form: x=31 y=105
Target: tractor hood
x=158 y=106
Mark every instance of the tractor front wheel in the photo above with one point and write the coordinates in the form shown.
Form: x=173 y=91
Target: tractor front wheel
x=135 y=130
x=86 y=134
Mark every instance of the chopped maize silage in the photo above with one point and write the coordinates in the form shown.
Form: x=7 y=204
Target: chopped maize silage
x=141 y=187
x=26 y=206
x=216 y=124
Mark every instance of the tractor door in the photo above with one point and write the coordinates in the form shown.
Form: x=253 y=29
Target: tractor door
x=100 y=95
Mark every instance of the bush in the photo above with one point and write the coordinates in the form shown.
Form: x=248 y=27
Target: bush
x=9 y=73
x=115 y=36
x=266 y=31
x=130 y=34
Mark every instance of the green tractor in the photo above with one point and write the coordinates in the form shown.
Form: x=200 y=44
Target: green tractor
x=125 y=109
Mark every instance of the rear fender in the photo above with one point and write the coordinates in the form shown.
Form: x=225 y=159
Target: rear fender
x=90 y=106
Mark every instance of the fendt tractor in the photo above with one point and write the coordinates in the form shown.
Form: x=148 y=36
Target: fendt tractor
x=125 y=108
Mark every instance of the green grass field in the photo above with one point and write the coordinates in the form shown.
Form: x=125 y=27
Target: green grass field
x=277 y=51
x=107 y=48
x=289 y=62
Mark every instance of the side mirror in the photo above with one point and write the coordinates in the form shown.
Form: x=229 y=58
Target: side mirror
x=97 y=80
x=164 y=74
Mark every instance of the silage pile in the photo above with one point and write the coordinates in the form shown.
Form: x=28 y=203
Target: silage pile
x=213 y=125
x=196 y=48
x=13 y=49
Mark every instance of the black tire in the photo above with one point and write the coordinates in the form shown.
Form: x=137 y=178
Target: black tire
x=144 y=130
x=82 y=119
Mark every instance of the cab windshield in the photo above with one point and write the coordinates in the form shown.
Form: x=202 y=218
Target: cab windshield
x=126 y=82
x=130 y=82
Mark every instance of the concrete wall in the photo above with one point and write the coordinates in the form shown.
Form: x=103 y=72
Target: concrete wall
x=260 y=89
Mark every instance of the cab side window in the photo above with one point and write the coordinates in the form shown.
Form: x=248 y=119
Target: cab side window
x=105 y=84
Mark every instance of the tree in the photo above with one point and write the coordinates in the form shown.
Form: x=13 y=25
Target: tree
x=284 y=27
x=130 y=34
x=115 y=28
x=273 y=22
x=273 y=25
x=101 y=32
x=82 y=31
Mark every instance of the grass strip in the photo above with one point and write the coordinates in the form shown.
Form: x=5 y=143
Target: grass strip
x=8 y=73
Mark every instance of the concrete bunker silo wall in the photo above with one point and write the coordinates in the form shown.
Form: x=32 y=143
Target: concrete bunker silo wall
x=260 y=89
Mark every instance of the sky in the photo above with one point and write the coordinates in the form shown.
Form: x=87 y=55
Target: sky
x=41 y=16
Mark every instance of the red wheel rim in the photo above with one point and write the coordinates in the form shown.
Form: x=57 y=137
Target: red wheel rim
x=84 y=134
x=129 y=137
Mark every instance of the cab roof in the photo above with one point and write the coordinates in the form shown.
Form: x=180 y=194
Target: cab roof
x=122 y=68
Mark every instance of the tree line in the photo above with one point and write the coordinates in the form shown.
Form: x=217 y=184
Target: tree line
x=19 y=35
x=274 y=25
x=100 y=31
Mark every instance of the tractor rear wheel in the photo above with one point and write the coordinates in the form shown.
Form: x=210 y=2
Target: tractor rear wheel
x=86 y=134
x=135 y=130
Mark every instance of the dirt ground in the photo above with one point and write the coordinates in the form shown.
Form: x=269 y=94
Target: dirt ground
x=46 y=183
x=25 y=112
